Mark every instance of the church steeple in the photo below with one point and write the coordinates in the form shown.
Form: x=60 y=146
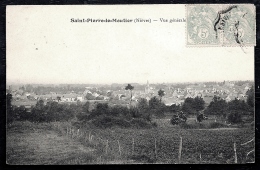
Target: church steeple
x=147 y=88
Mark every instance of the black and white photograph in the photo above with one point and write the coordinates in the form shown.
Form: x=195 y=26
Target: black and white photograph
x=130 y=84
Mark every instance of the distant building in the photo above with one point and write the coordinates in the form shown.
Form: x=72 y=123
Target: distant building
x=147 y=88
x=80 y=98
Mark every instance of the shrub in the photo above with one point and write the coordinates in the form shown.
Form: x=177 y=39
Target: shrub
x=82 y=116
x=147 y=116
x=140 y=123
x=185 y=125
x=157 y=113
x=119 y=110
x=252 y=125
x=154 y=124
x=134 y=112
x=235 y=117
x=216 y=125
x=104 y=121
x=178 y=118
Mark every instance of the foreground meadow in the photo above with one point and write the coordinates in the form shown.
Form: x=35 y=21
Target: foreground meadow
x=63 y=143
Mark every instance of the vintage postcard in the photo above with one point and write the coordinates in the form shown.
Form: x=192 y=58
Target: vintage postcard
x=130 y=84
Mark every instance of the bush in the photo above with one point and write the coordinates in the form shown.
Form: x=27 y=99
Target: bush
x=185 y=125
x=252 y=125
x=119 y=110
x=178 y=118
x=157 y=113
x=140 y=123
x=216 y=125
x=211 y=125
x=154 y=124
x=235 y=117
x=134 y=112
x=104 y=121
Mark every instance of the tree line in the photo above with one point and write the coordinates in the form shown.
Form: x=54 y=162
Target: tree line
x=144 y=110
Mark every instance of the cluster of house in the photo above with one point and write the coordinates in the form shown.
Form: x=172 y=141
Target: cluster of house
x=226 y=92
x=176 y=96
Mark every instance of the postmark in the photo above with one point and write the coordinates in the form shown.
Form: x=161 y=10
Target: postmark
x=220 y=25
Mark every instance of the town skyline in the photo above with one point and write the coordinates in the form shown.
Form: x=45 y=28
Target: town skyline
x=13 y=82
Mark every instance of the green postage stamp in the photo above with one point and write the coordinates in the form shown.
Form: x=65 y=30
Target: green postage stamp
x=220 y=25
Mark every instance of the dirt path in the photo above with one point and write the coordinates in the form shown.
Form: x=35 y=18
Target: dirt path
x=218 y=129
x=44 y=147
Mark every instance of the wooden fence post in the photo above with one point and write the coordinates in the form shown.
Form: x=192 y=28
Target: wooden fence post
x=106 y=146
x=180 y=148
x=119 y=148
x=235 y=150
x=155 y=149
x=133 y=146
x=86 y=138
x=89 y=136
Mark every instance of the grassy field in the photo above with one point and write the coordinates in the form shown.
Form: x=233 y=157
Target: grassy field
x=61 y=143
x=33 y=144
x=24 y=102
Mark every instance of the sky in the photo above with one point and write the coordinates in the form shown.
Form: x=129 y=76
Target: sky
x=43 y=46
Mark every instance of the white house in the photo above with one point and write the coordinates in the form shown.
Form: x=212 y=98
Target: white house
x=80 y=98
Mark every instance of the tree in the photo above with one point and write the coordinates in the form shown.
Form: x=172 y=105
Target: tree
x=85 y=107
x=154 y=103
x=143 y=105
x=178 y=118
x=38 y=112
x=89 y=96
x=101 y=109
x=238 y=105
x=40 y=104
x=198 y=104
x=174 y=108
x=250 y=99
x=21 y=113
x=58 y=98
x=193 y=106
x=129 y=87
x=120 y=111
x=161 y=93
x=134 y=112
x=234 y=117
x=156 y=107
x=143 y=108
x=9 y=98
x=201 y=117
x=187 y=106
x=217 y=107
x=9 y=109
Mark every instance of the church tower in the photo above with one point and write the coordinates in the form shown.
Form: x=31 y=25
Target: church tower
x=147 y=88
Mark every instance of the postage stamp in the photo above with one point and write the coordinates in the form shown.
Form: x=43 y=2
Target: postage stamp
x=220 y=25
